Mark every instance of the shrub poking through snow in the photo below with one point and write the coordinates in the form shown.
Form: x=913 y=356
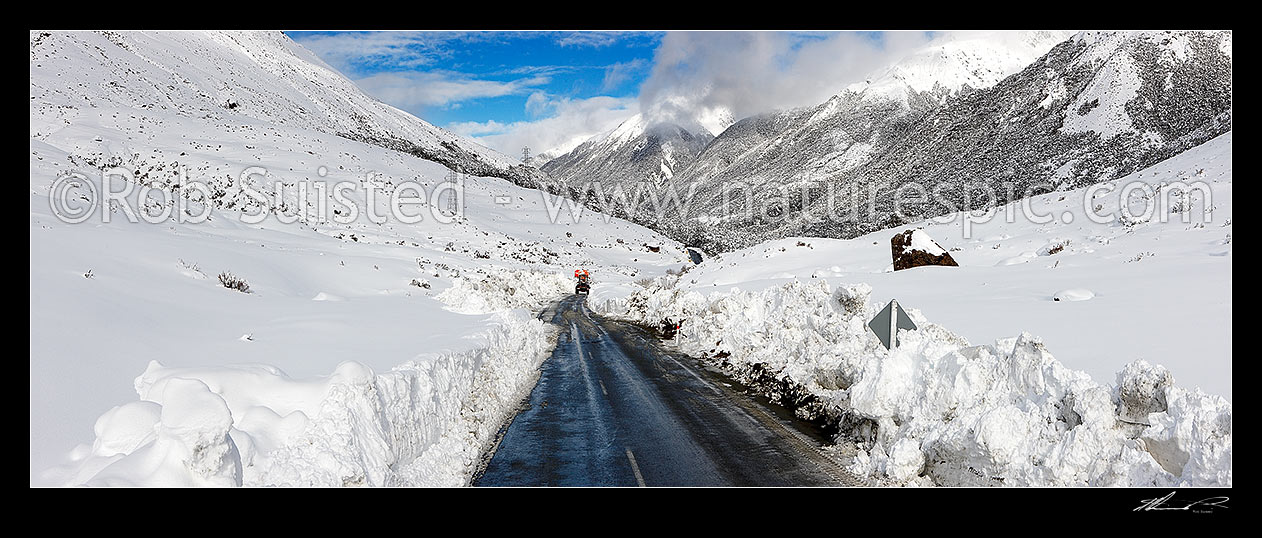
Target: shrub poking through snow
x=233 y=282
x=853 y=299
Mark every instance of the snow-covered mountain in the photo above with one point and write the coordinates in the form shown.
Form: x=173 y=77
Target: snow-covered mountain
x=836 y=135
x=714 y=119
x=1095 y=107
x=955 y=62
x=235 y=76
x=539 y=159
x=637 y=150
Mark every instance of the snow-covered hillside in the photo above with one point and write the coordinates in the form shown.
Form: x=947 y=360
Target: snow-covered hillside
x=1064 y=350
x=365 y=352
x=234 y=76
x=638 y=150
x=954 y=62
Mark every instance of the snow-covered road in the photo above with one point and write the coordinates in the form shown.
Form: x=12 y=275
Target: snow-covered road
x=613 y=407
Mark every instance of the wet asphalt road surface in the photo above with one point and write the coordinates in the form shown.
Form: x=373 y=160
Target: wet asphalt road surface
x=613 y=407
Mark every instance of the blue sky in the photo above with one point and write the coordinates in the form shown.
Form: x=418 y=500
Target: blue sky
x=554 y=89
x=488 y=75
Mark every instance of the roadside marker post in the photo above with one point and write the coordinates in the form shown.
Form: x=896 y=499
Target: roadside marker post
x=887 y=323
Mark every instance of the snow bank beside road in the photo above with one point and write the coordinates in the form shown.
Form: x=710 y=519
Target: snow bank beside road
x=496 y=289
x=424 y=423
x=939 y=410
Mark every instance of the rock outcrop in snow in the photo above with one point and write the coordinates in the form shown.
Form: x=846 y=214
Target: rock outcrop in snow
x=914 y=248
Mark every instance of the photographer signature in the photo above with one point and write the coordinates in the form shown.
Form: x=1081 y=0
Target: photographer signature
x=1207 y=504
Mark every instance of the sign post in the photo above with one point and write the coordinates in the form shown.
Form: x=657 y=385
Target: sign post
x=887 y=323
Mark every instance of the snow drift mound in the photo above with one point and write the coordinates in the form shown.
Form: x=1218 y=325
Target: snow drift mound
x=937 y=410
x=495 y=288
x=424 y=423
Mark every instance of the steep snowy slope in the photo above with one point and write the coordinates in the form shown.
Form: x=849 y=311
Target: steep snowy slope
x=1096 y=107
x=1077 y=343
x=638 y=150
x=227 y=76
x=956 y=62
x=362 y=347
x=813 y=142
x=542 y=158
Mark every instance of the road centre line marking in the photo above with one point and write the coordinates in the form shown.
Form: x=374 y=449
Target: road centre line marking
x=634 y=467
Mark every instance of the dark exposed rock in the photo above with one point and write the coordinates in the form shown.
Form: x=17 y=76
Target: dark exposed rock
x=906 y=257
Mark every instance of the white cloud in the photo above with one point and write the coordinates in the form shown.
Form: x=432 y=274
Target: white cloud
x=538 y=103
x=691 y=74
x=573 y=121
x=475 y=129
x=753 y=72
x=621 y=72
x=413 y=90
x=351 y=52
x=588 y=39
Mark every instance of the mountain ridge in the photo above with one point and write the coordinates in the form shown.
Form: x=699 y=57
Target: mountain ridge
x=261 y=75
x=1095 y=106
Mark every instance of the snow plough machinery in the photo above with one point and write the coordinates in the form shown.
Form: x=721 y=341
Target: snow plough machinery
x=584 y=282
